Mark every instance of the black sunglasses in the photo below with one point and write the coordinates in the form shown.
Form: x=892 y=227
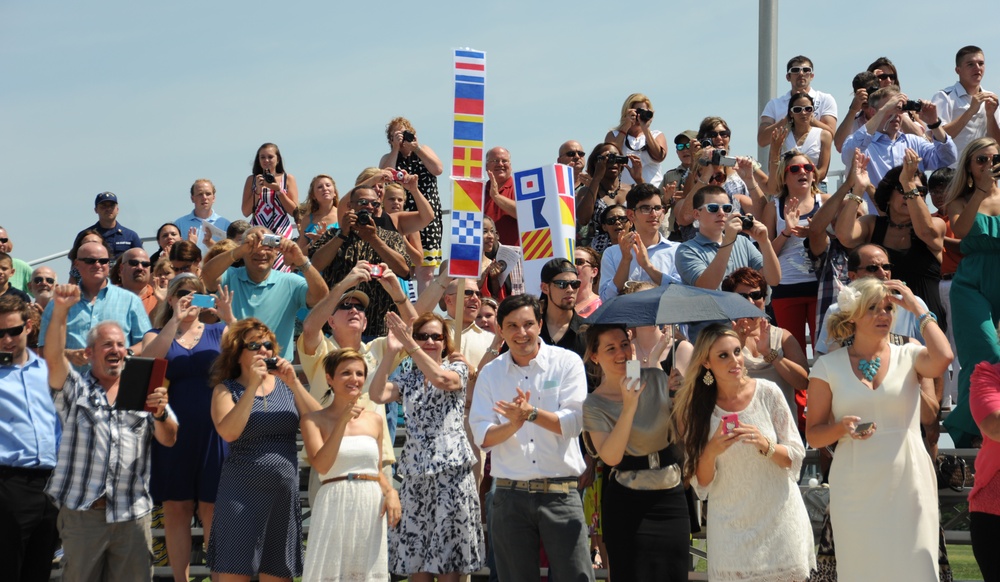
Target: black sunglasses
x=137 y=262
x=714 y=207
x=40 y=280
x=564 y=284
x=682 y=146
x=875 y=268
x=12 y=331
x=349 y=305
x=254 y=346
x=422 y=337
x=615 y=220
x=183 y=293
x=4 y=240
x=582 y=262
x=575 y=154
x=885 y=76
x=92 y=260
x=714 y=134
x=753 y=295
x=372 y=203
x=980 y=159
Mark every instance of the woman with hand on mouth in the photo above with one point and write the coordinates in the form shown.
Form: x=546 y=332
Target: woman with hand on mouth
x=347 y=538
x=626 y=422
x=614 y=222
x=800 y=135
x=866 y=398
x=744 y=453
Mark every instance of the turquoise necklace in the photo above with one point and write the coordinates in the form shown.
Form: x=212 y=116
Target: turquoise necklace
x=869 y=368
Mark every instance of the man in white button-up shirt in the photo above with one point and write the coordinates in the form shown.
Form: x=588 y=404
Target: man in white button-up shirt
x=967 y=110
x=528 y=411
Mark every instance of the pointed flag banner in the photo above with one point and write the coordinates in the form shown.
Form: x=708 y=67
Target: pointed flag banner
x=546 y=219
x=466 y=248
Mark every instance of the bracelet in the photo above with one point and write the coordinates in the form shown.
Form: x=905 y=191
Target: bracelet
x=232 y=255
x=770 y=449
x=492 y=352
x=305 y=265
x=925 y=319
x=935 y=125
x=782 y=233
x=854 y=198
x=412 y=351
x=728 y=244
x=400 y=302
x=772 y=356
x=443 y=286
x=162 y=417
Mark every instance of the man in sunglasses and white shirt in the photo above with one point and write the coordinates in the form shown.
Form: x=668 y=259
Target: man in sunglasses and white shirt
x=650 y=256
x=775 y=114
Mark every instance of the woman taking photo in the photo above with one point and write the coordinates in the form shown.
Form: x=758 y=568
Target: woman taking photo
x=184 y=478
x=319 y=211
x=603 y=190
x=440 y=534
x=744 y=454
x=256 y=405
x=347 y=536
x=588 y=268
x=866 y=398
x=633 y=137
x=625 y=422
x=271 y=196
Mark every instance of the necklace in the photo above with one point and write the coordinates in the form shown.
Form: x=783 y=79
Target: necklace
x=903 y=225
x=641 y=350
x=193 y=341
x=869 y=368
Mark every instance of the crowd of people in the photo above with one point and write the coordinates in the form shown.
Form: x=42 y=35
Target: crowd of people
x=529 y=441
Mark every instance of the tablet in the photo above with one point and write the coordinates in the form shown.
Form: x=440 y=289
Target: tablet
x=140 y=377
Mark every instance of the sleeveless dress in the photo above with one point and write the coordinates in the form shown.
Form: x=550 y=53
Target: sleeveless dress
x=268 y=212
x=190 y=469
x=975 y=303
x=883 y=497
x=917 y=267
x=810 y=147
x=636 y=146
x=347 y=537
x=257 y=525
x=430 y=235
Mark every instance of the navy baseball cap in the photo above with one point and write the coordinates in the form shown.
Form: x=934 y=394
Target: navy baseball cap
x=105 y=197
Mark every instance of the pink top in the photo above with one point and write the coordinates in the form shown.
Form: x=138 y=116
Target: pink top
x=984 y=399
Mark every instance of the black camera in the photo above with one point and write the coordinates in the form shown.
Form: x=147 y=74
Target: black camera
x=706 y=143
x=364 y=218
x=269 y=177
x=644 y=114
x=747 y=221
x=913 y=105
x=6 y=359
x=409 y=136
x=271 y=363
x=616 y=159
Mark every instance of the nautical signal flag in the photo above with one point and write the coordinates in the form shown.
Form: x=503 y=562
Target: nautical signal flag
x=466 y=244
x=546 y=218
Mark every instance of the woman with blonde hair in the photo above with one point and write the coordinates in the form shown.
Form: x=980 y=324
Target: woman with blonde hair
x=319 y=211
x=634 y=137
x=866 y=398
x=744 y=454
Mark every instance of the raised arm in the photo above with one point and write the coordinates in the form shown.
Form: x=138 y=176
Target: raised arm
x=508 y=206
x=439 y=377
x=610 y=446
x=249 y=196
x=63 y=298
x=316 y=284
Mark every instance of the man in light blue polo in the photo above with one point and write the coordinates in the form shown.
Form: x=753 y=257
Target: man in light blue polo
x=718 y=250
x=203 y=215
x=262 y=292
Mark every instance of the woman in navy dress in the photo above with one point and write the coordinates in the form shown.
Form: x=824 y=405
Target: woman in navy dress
x=256 y=407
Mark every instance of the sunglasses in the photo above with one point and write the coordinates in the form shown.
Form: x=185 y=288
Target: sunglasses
x=582 y=262
x=885 y=76
x=801 y=108
x=682 y=146
x=254 y=346
x=40 y=280
x=137 y=262
x=804 y=70
x=753 y=295
x=875 y=268
x=714 y=207
x=349 y=305
x=615 y=220
x=12 y=331
x=796 y=168
x=422 y=337
x=4 y=240
x=566 y=284
x=92 y=260
x=647 y=209
x=575 y=154
x=372 y=203
x=714 y=134
x=984 y=158
x=183 y=293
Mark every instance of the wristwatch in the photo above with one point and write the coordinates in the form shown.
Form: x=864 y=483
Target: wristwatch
x=533 y=414
x=911 y=194
x=341 y=236
x=162 y=417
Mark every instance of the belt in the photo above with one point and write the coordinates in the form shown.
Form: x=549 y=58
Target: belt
x=29 y=472
x=558 y=485
x=947 y=276
x=100 y=504
x=352 y=477
x=662 y=458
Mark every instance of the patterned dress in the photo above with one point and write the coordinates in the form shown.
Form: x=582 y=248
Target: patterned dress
x=430 y=236
x=257 y=527
x=440 y=531
x=268 y=212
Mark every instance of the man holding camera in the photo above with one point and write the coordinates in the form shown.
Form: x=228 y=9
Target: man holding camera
x=641 y=255
x=800 y=75
x=362 y=237
x=718 y=250
x=967 y=110
x=258 y=290
x=884 y=142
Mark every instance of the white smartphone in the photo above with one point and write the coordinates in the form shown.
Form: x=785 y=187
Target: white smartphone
x=632 y=369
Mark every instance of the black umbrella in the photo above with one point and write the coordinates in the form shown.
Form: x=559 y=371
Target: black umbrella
x=674 y=303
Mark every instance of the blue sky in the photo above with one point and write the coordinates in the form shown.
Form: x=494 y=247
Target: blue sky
x=143 y=98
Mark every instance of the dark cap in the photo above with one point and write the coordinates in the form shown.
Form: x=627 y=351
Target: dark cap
x=689 y=134
x=556 y=266
x=106 y=197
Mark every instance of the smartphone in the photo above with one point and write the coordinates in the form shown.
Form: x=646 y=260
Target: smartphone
x=863 y=427
x=203 y=301
x=632 y=369
x=730 y=422
x=271 y=363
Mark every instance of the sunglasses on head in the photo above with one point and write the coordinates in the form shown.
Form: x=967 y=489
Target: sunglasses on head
x=574 y=154
x=349 y=305
x=92 y=260
x=804 y=70
x=753 y=295
x=714 y=134
x=422 y=337
x=615 y=220
x=885 y=76
x=801 y=108
x=254 y=346
x=984 y=158
x=875 y=268
x=565 y=284
x=137 y=262
x=796 y=168
x=40 y=280
x=581 y=262
x=372 y=203
x=714 y=207
x=682 y=146
x=12 y=331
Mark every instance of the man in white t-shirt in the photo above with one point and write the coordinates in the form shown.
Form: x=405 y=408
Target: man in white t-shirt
x=967 y=110
x=800 y=75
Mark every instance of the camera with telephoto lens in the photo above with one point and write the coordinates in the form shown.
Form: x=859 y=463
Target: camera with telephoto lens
x=644 y=114
x=616 y=159
x=747 y=221
x=706 y=143
x=269 y=177
x=409 y=136
x=271 y=363
x=364 y=218
x=913 y=105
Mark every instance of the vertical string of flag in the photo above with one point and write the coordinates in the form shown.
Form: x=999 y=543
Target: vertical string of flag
x=467 y=164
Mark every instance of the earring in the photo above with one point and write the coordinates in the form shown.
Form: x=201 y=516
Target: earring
x=971 y=183
x=708 y=378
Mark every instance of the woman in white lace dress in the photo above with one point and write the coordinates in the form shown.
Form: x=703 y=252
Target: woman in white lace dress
x=743 y=455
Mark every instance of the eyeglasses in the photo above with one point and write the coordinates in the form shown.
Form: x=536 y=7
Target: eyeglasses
x=885 y=76
x=575 y=154
x=875 y=268
x=980 y=159
x=714 y=134
x=796 y=168
x=137 y=262
x=40 y=280
x=647 y=209
x=801 y=108
x=714 y=207
x=753 y=295
x=12 y=331
x=682 y=146
x=183 y=293
x=92 y=260
x=255 y=346
x=181 y=268
x=803 y=70
x=575 y=284
x=375 y=204
x=582 y=262
x=422 y=337
x=349 y=305
x=615 y=220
